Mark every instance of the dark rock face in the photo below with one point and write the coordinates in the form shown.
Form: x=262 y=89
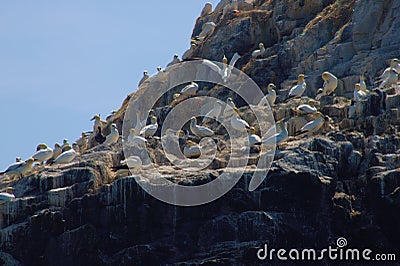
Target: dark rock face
x=336 y=184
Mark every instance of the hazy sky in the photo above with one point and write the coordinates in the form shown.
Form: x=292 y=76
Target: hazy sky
x=63 y=61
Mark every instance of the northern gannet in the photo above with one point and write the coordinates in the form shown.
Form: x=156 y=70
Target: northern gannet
x=394 y=63
x=190 y=90
x=66 y=157
x=82 y=142
x=297 y=90
x=213 y=113
x=145 y=77
x=174 y=61
x=254 y=139
x=237 y=123
x=191 y=150
x=280 y=137
x=132 y=163
x=18 y=159
x=134 y=139
x=65 y=144
x=20 y=168
x=200 y=131
x=307 y=108
x=56 y=152
x=259 y=52
x=7 y=196
x=207 y=10
x=43 y=153
x=150 y=130
x=98 y=123
x=189 y=52
x=226 y=70
x=363 y=85
x=391 y=79
x=270 y=97
x=207 y=29
x=141 y=124
x=113 y=136
x=110 y=117
x=330 y=85
x=359 y=95
x=314 y=125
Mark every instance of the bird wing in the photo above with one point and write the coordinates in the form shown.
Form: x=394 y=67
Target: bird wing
x=234 y=59
x=211 y=65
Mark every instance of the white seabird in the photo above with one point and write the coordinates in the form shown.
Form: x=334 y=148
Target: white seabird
x=7 y=196
x=134 y=163
x=145 y=77
x=113 y=136
x=82 y=142
x=297 y=90
x=226 y=70
x=254 y=139
x=307 y=108
x=359 y=95
x=134 y=139
x=330 y=85
x=189 y=52
x=237 y=123
x=190 y=90
x=314 y=125
x=65 y=144
x=191 y=150
x=363 y=85
x=280 y=137
x=43 y=153
x=213 y=113
x=270 y=97
x=19 y=168
x=200 y=131
x=394 y=63
x=392 y=79
x=207 y=10
x=56 y=151
x=110 y=117
x=66 y=157
x=98 y=123
x=150 y=130
x=207 y=29
x=259 y=52
x=174 y=61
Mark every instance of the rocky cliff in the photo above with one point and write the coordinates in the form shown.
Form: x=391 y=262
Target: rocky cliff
x=343 y=182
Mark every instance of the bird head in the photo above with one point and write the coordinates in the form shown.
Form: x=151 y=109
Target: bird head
x=357 y=87
x=270 y=87
x=191 y=143
x=41 y=146
x=18 y=159
x=252 y=130
x=261 y=46
x=30 y=161
x=95 y=117
x=132 y=132
x=176 y=56
x=145 y=73
x=225 y=60
x=193 y=120
x=325 y=75
x=57 y=146
x=153 y=119
x=394 y=62
x=301 y=78
x=159 y=69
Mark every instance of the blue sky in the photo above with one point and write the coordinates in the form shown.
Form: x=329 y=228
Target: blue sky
x=63 y=61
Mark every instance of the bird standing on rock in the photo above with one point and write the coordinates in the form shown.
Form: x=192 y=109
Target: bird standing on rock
x=307 y=108
x=260 y=52
x=174 y=61
x=200 y=131
x=113 y=136
x=254 y=139
x=359 y=95
x=43 y=153
x=237 y=123
x=145 y=77
x=297 y=90
x=150 y=130
x=330 y=85
x=314 y=125
x=191 y=150
x=278 y=137
x=66 y=157
x=20 y=168
x=270 y=97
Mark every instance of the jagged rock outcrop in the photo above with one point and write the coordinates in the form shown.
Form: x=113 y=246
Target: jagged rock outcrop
x=342 y=182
